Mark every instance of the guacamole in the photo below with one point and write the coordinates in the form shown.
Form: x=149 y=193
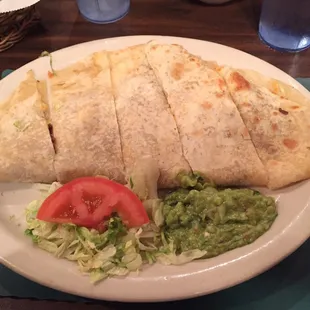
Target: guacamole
x=201 y=216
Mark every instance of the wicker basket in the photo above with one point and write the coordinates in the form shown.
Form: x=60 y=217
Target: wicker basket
x=15 y=25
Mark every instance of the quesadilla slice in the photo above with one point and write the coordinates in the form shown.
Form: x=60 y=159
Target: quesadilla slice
x=278 y=125
x=84 y=122
x=26 y=153
x=215 y=140
x=147 y=127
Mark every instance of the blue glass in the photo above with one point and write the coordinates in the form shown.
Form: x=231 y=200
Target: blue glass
x=103 y=11
x=285 y=24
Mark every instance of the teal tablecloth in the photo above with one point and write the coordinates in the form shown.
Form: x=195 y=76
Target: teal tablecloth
x=284 y=287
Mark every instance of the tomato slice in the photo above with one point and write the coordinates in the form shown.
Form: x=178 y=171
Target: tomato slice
x=88 y=201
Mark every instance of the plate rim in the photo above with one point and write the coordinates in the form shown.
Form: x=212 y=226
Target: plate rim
x=292 y=81
x=300 y=221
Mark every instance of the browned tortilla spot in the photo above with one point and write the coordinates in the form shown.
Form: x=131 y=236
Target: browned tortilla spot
x=219 y=95
x=256 y=120
x=283 y=111
x=199 y=132
x=227 y=134
x=273 y=162
x=271 y=149
x=196 y=61
x=275 y=113
x=221 y=84
x=240 y=81
x=290 y=143
x=207 y=105
x=295 y=107
x=177 y=71
x=209 y=130
x=246 y=104
x=274 y=127
x=245 y=133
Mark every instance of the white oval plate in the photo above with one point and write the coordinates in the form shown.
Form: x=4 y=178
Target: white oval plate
x=158 y=282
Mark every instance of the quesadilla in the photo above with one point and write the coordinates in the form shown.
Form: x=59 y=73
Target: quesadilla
x=26 y=153
x=84 y=122
x=278 y=125
x=147 y=127
x=277 y=87
x=215 y=140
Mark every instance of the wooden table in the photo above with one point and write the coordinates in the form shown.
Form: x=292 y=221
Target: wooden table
x=234 y=24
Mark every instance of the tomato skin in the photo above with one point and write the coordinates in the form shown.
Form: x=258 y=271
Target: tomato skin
x=88 y=201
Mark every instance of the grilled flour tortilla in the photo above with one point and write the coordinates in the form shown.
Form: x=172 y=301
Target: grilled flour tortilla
x=278 y=119
x=147 y=127
x=26 y=152
x=113 y=110
x=84 y=122
x=215 y=140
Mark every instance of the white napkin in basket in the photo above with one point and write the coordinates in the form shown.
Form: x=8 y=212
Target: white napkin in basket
x=14 y=5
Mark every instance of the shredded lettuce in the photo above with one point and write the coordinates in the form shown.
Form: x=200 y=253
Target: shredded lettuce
x=99 y=254
x=183 y=258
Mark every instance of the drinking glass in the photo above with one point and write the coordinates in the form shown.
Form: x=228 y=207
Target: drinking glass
x=103 y=11
x=285 y=24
